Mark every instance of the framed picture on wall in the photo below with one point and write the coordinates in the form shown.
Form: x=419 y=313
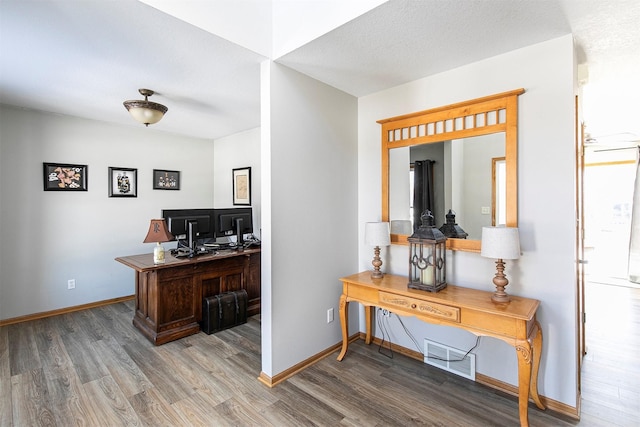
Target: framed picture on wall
x=123 y=182
x=242 y=186
x=64 y=177
x=166 y=180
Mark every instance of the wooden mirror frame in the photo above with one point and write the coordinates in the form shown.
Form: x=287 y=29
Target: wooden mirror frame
x=481 y=116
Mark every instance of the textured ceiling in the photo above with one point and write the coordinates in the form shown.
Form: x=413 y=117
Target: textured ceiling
x=401 y=41
x=83 y=58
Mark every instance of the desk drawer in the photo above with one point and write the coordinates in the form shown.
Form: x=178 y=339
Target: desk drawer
x=175 y=272
x=420 y=307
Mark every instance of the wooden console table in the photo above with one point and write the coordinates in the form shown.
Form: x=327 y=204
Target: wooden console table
x=169 y=296
x=469 y=309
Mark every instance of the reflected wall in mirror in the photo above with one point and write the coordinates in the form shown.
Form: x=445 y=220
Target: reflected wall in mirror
x=474 y=146
x=467 y=179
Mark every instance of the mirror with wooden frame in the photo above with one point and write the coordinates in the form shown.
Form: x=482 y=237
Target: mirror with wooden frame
x=494 y=114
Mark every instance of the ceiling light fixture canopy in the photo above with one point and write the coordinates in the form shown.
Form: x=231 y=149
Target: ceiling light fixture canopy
x=145 y=112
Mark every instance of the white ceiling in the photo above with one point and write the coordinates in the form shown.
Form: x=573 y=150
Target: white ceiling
x=84 y=58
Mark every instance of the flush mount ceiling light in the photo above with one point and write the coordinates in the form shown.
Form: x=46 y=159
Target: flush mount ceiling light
x=145 y=112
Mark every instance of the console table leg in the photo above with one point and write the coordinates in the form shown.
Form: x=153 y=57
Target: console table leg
x=537 y=354
x=368 y=317
x=524 y=380
x=344 y=323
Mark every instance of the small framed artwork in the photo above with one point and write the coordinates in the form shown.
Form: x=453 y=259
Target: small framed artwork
x=123 y=182
x=242 y=186
x=166 y=180
x=64 y=177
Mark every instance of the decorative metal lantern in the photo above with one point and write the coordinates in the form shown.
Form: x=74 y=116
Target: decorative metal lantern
x=452 y=230
x=427 y=256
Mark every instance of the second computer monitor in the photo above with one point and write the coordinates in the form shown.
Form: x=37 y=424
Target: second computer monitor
x=233 y=221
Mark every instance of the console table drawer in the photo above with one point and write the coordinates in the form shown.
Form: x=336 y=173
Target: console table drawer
x=421 y=307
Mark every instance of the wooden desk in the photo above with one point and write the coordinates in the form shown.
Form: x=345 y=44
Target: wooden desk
x=169 y=296
x=469 y=309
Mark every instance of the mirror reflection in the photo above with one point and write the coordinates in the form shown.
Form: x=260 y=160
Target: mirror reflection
x=480 y=180
x=467 y=177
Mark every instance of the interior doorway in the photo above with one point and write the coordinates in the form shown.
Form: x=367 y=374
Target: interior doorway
x=609 y=176
x=607 y=180
x=607 y=300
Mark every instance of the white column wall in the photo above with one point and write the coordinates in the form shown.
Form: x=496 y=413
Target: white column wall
x=311 y=236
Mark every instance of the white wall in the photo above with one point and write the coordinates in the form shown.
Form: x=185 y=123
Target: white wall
x=311 y=236
x=49 y=237
x=546 y=203
x=237 y=151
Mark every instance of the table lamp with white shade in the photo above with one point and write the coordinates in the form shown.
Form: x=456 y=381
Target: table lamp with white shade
x=376 y=234
x=500 y=243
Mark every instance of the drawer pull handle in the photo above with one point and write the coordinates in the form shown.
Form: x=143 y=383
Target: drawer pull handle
x=413 y=306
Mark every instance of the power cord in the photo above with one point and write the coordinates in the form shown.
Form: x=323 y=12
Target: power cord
x=406 y=331
x=382 y=326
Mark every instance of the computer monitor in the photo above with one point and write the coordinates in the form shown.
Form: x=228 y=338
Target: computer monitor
x=189 y=226
x=233 y=221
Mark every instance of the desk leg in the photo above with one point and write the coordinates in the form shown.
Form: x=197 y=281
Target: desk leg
x=368 y=318
x=524 y=380
x=537 y=354
x=344 y=322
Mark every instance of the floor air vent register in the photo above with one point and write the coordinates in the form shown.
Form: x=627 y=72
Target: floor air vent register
x=450 y=359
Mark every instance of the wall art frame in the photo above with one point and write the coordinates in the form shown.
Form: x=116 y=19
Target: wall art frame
x=65 y=177
x=123 y=182
x=242 y=186
x=166 y=180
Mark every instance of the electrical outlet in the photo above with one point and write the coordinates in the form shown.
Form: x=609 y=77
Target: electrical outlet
x=485 y=210
x=71 y=284
x=386 y=313
x=330 y=315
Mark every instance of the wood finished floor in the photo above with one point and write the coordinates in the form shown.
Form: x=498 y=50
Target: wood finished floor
x=93 y=368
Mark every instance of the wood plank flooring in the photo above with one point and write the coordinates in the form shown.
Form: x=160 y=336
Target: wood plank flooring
x=611 y=373
x=93 y=368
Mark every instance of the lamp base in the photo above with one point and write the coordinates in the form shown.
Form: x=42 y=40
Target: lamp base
x=501 y=282
x=377 y=262
x=500 y=297
x=158 y=254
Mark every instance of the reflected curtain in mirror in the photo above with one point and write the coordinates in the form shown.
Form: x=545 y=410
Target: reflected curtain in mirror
x=423 y=197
